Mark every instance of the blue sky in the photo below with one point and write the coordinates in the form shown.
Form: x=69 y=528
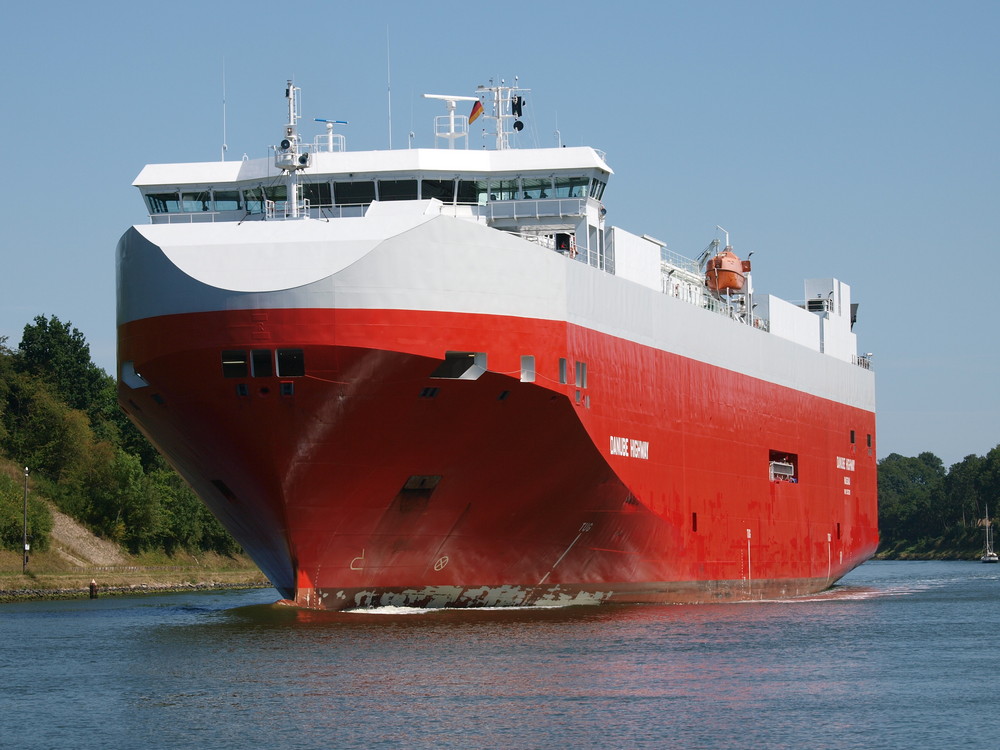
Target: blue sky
x=848 y=139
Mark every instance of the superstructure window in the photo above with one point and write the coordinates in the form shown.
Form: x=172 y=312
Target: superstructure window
x=353 y=193
x=195 y=202
x=256 y=197
x=562 y=370
x=317 y=193
x=597 y=188
x=291 y=363
x=228 y=200
x=163 y=203
x=571 y=187
x=503 y=190
x=278 y=194
x=397 y=190
x=443 y=190
x=234 y=363
x=536 y=188
x=254 y=200
x=472 y=191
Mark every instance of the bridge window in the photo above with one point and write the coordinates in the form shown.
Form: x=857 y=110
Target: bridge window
x=597 y=188
x=443 y=190
x=278 y=194
x=317 y=193
x=503 y=190
x=256 y=196
x=254 y=200
x=534 y=188
x=228 y=200
x=195 y=202
x=571 y=187
x=353 y=193
x=163 y=203
x=397 y=190
x=472 y=191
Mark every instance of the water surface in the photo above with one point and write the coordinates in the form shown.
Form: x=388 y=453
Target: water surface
x=898 y=655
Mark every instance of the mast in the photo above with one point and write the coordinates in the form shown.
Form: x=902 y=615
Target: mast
x=287 y=156
x=507 y=105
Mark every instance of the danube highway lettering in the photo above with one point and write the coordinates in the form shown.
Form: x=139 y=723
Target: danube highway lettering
x=622 y=446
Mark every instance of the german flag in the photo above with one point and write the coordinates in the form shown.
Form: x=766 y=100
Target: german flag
x=477 y=109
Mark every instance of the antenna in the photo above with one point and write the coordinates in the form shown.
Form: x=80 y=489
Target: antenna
x=508 y=103
x=388 y=83
x=330 y=137
x=450 y=120
x=225 y=146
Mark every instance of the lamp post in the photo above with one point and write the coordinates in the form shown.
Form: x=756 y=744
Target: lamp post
x=24 y=546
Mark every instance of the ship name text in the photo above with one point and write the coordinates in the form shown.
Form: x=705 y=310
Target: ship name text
x=622 y=446
x=847 y=464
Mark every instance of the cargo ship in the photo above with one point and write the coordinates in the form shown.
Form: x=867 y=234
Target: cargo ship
x=440 y=377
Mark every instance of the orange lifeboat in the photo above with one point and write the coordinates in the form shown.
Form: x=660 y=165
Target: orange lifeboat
x=725 y=272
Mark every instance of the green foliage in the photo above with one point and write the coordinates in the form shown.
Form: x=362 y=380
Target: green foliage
x=40 y=430
x=57 y=353
x=925 y=510
x=59 y=415
x=12 y=516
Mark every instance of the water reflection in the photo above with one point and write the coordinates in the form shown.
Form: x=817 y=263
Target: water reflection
x=886 y=659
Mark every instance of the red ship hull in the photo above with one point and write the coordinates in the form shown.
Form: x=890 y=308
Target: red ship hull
x=367 y=481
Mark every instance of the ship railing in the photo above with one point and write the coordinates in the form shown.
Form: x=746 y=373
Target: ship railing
x=863 y=361
x=198 y=217
x=541 y=208
x=329 y=143
x=691 y=288
x=546 y=241
x=670 y=259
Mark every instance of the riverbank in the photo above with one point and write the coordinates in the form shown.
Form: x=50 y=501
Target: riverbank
x=75 y=557
x=50 y=576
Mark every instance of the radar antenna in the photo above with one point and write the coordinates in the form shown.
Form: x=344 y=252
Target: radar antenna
x=451 y=127
x=331 y=137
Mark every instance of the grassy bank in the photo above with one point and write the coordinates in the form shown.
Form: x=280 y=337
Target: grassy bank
x=51 y=575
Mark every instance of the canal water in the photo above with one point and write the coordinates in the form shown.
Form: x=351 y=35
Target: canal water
x=898 y=655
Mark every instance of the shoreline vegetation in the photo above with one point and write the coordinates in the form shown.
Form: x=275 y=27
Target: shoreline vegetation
x=102 y=504
x=50 y=575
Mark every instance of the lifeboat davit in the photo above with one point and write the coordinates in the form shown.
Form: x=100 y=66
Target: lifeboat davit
x=725 y=272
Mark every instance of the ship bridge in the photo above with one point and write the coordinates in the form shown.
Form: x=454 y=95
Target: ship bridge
x=551 y=196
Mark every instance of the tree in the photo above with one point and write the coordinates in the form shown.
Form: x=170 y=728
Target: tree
x=963 y=490
x=41 y=431
x=12 y=515
x=910 y=494
x=59 y=354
